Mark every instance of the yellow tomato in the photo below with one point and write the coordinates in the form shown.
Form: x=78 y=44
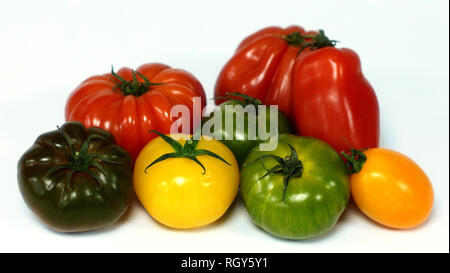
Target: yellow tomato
x=177 y=191
x=392 y=189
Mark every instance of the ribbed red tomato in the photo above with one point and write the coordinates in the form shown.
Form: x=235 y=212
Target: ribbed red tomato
x=334 y=101
x=129 y=103
x=261 y=67
x=320 y=87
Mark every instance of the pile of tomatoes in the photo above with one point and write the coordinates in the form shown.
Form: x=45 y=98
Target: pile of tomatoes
x=81 y=176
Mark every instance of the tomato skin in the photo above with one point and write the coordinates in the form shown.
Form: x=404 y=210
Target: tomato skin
x=334 y=101
x=261 y=68
x=313 y=202
x=129 y=117
x=392 y=189
x=238 y=140
x=322 y=91
x=78 y=205
x=176 y=193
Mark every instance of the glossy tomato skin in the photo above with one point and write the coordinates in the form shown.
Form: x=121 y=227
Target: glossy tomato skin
x=261 y=68
x=322 y=91
x=238 y=140
x=129 y=117
x=84 y=206
x=334 y=101
x=392 y=189
x=313 y=202
x=176 y=193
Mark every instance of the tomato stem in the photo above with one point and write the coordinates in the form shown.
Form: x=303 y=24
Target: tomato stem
x=355 y=159
x=242 y=99
x=295 y=39
x=313 y=42
x=133 y=87
x=81 y=161
x=319 y=40
x=289 y=166
x=188 y=150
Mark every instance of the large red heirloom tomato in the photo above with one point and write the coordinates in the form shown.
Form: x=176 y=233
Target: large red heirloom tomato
x=320 y=87
x=129 y=103
x=261 y=67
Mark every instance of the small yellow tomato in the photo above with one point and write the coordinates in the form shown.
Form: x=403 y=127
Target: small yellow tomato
x=392 y=189
x=186 y=184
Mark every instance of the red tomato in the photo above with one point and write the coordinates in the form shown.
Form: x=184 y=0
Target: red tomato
x=261 y=67
x=334 y=101
x=130 y=103
x=322 y=89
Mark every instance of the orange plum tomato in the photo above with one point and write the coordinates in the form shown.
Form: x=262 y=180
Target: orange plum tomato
x=391 y=189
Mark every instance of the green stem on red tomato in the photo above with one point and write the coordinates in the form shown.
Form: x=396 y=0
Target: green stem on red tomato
x=133 y=87
x=295 y=39
x=312 y=41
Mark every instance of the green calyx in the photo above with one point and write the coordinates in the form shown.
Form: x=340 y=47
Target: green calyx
x=133 y=87
x=295 y=39
x=241 y=99
x=81 y=161
x=313 y=42
x=188 y=150
x=355 y=159
x=289 y=166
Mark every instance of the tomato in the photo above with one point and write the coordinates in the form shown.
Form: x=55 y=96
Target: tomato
x=186 y=184
x=261 y=67
x=297 y=191
x=76 y=179
x=238 y=138
x=390 y=188
x=321 y=88
x=130 y=103
x=333 y=99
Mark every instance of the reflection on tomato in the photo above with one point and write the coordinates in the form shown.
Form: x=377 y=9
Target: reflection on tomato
x=130 y=103
x=320 y=87
x=178 y=191
x=297 y=191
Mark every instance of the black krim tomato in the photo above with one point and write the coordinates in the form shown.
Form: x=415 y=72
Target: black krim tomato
x=297 y=191
x=76 y=179
x=237 y=137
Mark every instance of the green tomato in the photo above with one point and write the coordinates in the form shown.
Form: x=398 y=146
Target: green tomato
x=297 y=191
x=237 y=139
x=76 y=179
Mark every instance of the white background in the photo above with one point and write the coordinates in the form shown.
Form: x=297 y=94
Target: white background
x=48 y=47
